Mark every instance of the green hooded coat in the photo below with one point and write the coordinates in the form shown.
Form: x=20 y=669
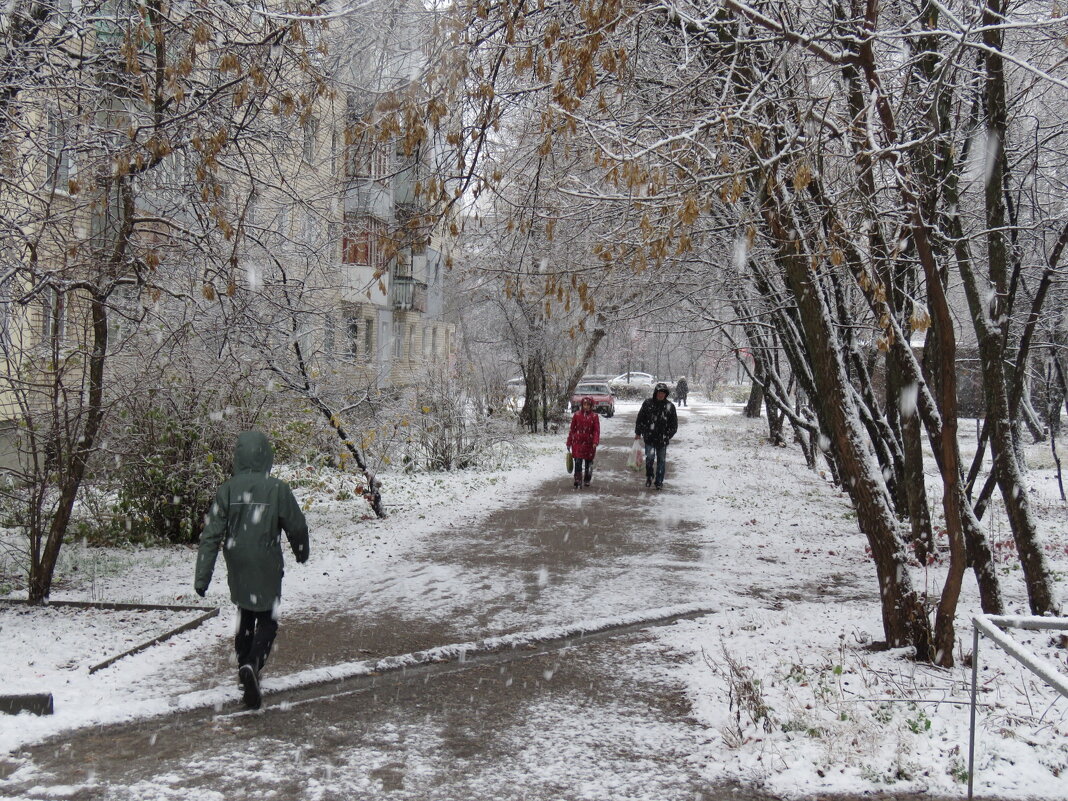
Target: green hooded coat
x=249 y=513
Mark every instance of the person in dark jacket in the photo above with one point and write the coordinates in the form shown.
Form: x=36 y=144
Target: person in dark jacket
x=582 y=440
x=249 y=513
x=682 y=389
x=656 y=424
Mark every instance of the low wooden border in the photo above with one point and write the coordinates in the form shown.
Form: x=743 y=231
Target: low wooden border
x=207 y=612
x=37 y=703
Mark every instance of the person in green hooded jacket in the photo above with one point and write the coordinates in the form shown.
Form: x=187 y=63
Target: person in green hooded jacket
x=249 y=513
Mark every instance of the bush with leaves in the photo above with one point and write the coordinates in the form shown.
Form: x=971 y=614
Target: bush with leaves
x=163 y=493
x=167 y=450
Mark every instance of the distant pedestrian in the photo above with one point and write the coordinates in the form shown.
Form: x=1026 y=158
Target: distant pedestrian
x=682 y=389
x=656 y=424
x=582 y=440
x=246 y=519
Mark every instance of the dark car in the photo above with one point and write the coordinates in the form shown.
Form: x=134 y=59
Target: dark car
x=604 y=401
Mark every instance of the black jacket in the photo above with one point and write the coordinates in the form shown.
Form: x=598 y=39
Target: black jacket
x=657 y=422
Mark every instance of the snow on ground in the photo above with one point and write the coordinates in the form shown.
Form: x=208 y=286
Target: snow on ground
x=51 y=651
x=783 y=677
x=797 y=700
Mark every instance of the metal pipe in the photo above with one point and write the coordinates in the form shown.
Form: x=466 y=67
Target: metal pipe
x=1031 y=622
x=1039 y=667
x=971 y=725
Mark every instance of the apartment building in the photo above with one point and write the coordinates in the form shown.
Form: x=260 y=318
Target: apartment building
x=393 y=252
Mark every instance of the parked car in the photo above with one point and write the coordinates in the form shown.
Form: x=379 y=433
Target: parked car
x=604 y=401
x=633 y=386
x=516 y=386
x=644 y=379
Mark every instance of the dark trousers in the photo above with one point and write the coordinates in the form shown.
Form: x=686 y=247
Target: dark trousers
x=655 y=454
x=583 y=470
x=255 y=635
x=682 y=400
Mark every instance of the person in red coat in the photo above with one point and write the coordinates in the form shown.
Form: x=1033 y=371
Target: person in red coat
x=582 y=440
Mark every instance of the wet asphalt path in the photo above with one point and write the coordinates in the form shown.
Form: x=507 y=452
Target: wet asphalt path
x=547 y=557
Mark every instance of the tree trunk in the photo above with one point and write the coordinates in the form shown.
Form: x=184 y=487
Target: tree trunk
x=756 y=392
x=1037 y=574
x=43 y=563
x=942 y=322
x=580 y=368
x=904 y=619
x=919 y=511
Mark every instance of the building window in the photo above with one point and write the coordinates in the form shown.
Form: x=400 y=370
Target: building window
x=58 y=163
x=354 y=336
x=252 y=208
x=434 y=342
x=368 y=338
x=53 y=319
x=411 y=343
x=360 y=241
x=426 y=343
x=328 y=334
x=366 y=159
x=309 y=228
x=5 y=315
x=311 y=132
x=398 y=340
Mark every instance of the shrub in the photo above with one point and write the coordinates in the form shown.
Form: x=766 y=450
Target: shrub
x=165 y=487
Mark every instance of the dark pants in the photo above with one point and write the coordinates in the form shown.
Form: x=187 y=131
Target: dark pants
x=255 y=635
x=682 y=400
x=657 y=453
x=583 y=470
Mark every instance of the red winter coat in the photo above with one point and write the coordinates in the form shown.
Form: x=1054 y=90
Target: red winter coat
x=584 y=435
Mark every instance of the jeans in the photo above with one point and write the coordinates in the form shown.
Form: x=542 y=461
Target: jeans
x=255 y=635
x=659 y=454
x=583 y=470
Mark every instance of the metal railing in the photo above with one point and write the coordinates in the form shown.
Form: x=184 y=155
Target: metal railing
x=407 y=294
x=991 y=626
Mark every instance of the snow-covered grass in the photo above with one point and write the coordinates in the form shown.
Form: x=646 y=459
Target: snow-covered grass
x=798 y=700
x=783 y=678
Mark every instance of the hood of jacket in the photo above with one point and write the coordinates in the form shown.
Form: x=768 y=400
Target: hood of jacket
x=253 y=453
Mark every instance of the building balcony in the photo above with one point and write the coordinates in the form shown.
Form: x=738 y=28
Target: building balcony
x=365 y=196
x=407 y=294
x=362 y=284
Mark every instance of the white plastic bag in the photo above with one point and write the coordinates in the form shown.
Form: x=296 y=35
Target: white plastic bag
x=637 y=456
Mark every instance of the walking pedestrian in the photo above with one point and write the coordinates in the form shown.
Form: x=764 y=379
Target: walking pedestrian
x=682 y=389
x=246 y=519
x=656 y=424
x=582 y=440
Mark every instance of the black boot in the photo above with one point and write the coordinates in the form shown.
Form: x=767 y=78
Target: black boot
x=250 y=685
